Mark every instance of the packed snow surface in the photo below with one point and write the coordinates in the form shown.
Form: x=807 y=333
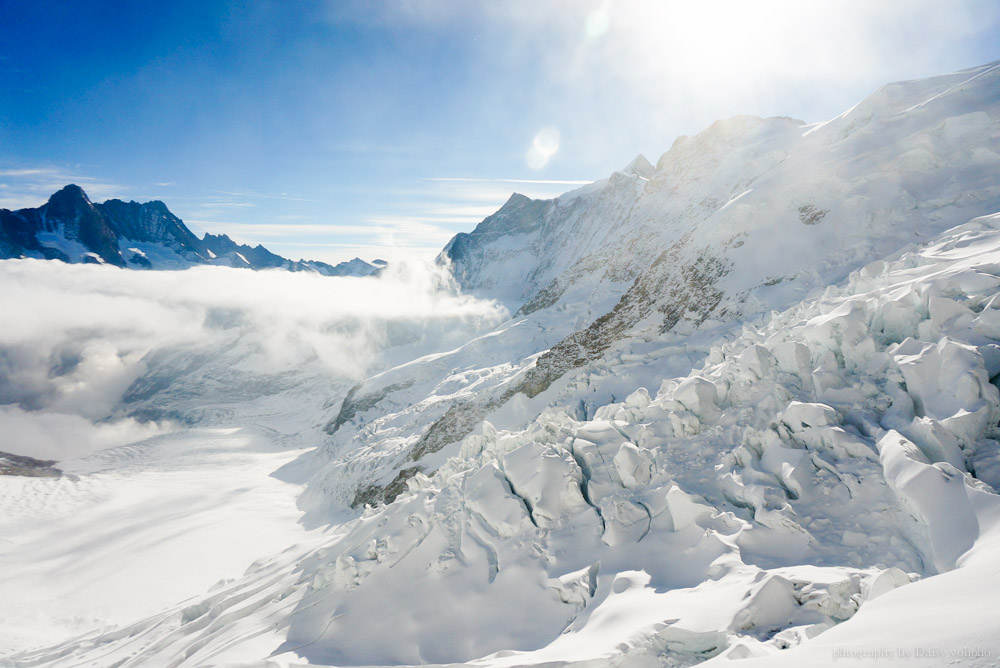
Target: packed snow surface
x=130 y=530
x=745 y=410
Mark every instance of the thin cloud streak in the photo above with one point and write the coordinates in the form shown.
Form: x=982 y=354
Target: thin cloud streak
x=538 y=181
x=23 y=172
x=309 y=229
x=471 y=213
x=380 y=248
x=262 y=196
x=27 y=187
x=382 y=232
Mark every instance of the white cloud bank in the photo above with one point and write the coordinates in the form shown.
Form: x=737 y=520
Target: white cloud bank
x=75 y=338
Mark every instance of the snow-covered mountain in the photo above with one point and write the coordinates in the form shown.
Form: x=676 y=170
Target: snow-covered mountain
x=749 y=216
x=71 y=228
x=746 y=408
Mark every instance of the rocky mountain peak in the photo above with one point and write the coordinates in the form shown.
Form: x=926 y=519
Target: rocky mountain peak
x=71 y=228
x=68 y=201
x=639 y=166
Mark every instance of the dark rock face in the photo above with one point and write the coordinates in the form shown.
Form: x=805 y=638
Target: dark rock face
x=72 y=214
x=27 y=466
x=467 y=251
x=71 y=228
x=17 y=235
x=99 y=229
x=152 y=222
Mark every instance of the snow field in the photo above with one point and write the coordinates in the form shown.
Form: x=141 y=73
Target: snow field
x=131 y=530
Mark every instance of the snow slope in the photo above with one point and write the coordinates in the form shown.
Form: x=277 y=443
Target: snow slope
x=746 y=410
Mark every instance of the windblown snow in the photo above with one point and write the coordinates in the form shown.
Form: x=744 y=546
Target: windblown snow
x=746 y=409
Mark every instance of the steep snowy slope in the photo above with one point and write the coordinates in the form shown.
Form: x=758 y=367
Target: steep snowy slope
x=749 y=216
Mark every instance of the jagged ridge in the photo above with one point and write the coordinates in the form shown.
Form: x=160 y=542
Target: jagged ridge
x=71 y=228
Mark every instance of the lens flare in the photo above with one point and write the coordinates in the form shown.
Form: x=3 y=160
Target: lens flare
x=597 y=24
x=543 y=147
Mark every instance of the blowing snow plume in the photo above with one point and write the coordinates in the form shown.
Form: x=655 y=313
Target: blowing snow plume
x=92 y=357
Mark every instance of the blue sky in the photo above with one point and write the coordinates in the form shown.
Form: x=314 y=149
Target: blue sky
x=336 y=129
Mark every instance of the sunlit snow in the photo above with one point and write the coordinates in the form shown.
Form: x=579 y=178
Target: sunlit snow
x=739 y=406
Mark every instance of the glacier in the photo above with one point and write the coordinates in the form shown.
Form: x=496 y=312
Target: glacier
x=745 y=409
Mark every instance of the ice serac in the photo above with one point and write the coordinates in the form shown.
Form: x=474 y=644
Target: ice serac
x=71 y=228
x=740 y=509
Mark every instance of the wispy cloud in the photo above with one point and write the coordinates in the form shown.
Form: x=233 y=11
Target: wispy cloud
x=463 y=220
x=385 y=230
x=538 y=181
x=375 y=149
x=419 y=221
x=465 y=213
x=23 y=187
x=107 y=332
x=269 y=196
x=254 y=230
x=409 y=225
x=23 y=172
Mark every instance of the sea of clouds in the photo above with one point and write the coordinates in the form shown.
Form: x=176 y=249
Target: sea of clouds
x=75 y=338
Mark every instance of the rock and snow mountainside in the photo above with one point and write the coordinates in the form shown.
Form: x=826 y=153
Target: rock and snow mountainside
x=71 y=228
x=746 y=409
x=749 y=216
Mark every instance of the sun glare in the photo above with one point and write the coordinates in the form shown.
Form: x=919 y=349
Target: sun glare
x=718 y=49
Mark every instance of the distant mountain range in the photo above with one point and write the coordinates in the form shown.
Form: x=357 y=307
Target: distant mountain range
x=71 y=228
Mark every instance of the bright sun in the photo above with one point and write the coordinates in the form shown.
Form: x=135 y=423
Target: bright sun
x=720 y=49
